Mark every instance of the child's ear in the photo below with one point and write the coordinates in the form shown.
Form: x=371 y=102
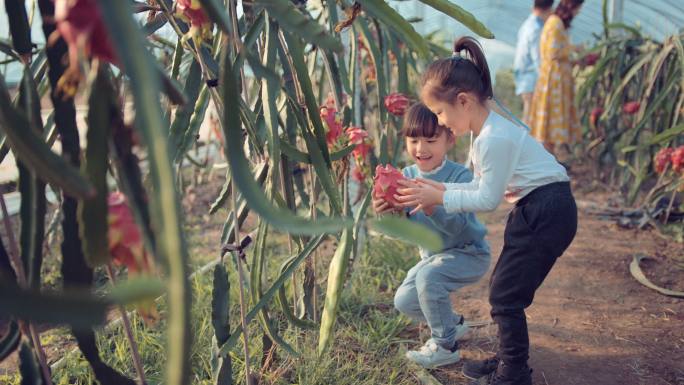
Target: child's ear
x=462 y=99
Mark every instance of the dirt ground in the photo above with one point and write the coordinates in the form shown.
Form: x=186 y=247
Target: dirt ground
x=591 y=322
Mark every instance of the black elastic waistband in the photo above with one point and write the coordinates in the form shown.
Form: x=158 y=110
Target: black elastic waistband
x=545 y=190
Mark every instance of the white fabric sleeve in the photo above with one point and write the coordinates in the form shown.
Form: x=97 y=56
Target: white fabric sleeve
x=472 y=185
x=495 y=171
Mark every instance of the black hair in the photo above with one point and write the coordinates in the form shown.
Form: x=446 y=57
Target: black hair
x=419 y=121
x=449 y=77
x=543 y=4
x=565 y=10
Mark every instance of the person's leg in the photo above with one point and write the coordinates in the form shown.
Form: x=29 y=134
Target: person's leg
x=406 y=297
x=441 y=275
x=537 y=233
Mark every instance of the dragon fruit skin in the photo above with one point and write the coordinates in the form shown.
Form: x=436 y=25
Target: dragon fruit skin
x=385 y=183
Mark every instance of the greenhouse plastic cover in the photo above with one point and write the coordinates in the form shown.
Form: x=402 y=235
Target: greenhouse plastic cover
x=655 y=18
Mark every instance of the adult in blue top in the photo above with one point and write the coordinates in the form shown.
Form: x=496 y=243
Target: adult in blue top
x=527 y=58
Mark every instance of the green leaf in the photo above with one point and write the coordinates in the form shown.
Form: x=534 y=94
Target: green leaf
x=407 y=231
x=667 y=135
x=285 y=306
x=129 y=44
x=170 y=87
x=628 y=149
x=223 y=195
x=104 y=374
x=155 y=24
x=268 y=295
x=136 y=290
x=336 y=277
x=654 y=106
x=32 y=189
x=181 y=120
x=624 y=26
x=77 y=309
x=335 y=77
x=317 y=155
x=299 y=68
x=6 y=48
x=217 y=13
x=293 y=153
x=255 y=282
x=293 y=20
x=192 y=128
x=380 y=10
x=322 y=171
x=616 y=94
x=92 y=213
x=377 y=58
x=638 y=274
x=298 y=156
x=10 y=341
x=461 y=15
x=19 y=26
x=220 y=304
x=220 y=320
x=130 y=180
x=30 y=149
x=28 y=366
x=270 y=88
x=243 y=178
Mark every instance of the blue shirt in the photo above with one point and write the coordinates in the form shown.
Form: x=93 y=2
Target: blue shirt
x=527 y=58
x=459 y=231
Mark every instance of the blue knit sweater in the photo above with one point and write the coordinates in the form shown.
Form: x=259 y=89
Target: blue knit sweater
x=459 y=231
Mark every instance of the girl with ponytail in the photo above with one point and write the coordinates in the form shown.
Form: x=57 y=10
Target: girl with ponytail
x=507 y=163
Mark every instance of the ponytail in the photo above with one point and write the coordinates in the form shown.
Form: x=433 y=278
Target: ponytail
x=465 y=71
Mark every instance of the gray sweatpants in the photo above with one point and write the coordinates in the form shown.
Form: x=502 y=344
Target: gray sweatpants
x=424 y=294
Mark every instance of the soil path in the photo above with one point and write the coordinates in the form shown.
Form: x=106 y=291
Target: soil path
x=591 y=322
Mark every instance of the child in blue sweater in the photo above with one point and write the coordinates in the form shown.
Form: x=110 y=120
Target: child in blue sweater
x=424 y=294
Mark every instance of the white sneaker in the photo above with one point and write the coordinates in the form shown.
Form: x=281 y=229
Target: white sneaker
x=431 y=355
x=461 y=330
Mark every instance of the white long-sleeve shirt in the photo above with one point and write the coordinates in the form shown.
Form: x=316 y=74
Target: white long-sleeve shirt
x=507 y=163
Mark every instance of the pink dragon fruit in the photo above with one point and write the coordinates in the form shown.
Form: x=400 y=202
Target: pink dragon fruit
x=385 y=183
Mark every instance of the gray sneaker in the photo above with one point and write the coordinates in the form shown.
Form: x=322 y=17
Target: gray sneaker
x=432 y=355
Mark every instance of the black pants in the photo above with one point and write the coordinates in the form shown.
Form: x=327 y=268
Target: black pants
x=539 y=229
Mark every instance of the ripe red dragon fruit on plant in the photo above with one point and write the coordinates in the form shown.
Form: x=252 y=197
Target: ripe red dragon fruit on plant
x=590 y=59
x=125 y=241
x=359 y=137
x=333 y=121
x=662 y=159
x=396 y=103
x=193 y=13
x=385 y=183
x=330 y=100
x=127 y=248
x=595 y=114
x=79 y=23
x=677 y=159
x=631 y=107
x=358 y=175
